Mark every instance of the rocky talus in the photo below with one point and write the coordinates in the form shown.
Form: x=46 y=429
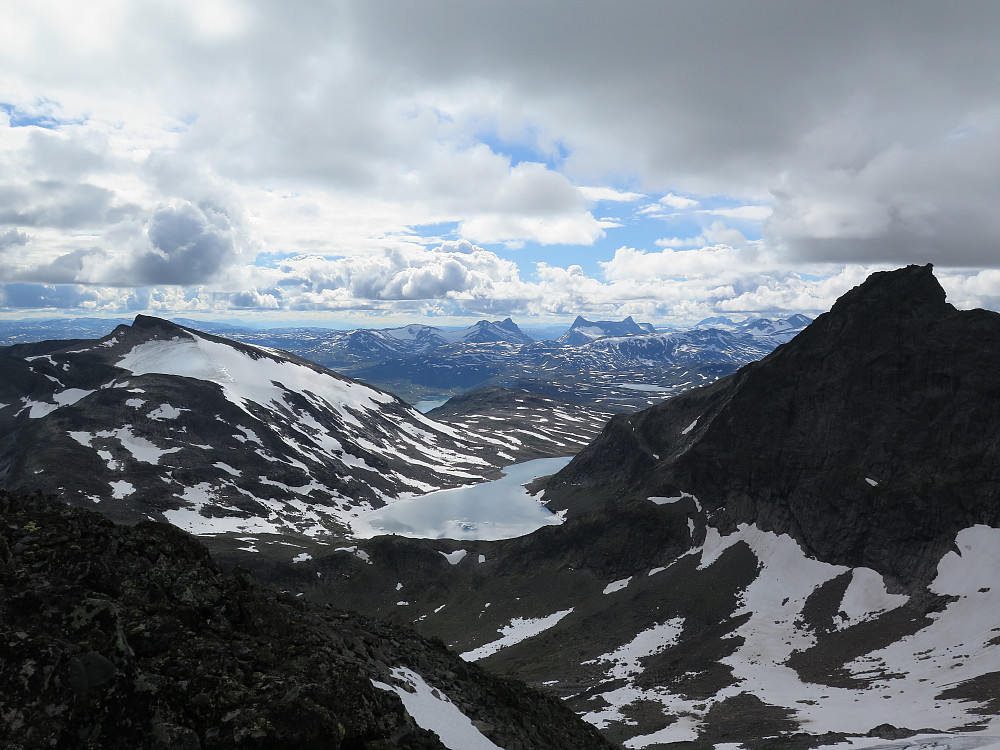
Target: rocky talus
x=115 y=636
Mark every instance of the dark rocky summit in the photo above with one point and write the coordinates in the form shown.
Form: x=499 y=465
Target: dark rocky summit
x=872 y=438
x=115 y=636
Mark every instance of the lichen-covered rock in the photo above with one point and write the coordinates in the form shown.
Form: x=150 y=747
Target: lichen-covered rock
x=114 y=636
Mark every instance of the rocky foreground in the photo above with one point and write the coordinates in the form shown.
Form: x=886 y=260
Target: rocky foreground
x=114 y=636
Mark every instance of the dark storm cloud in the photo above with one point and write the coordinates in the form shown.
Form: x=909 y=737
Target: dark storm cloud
x=31 y=296
x=57 y=204
x=189 y=244
x=65 y=269
x=777 y=100
x=12 y=238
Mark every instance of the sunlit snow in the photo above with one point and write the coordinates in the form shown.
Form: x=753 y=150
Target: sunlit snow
x=906 y=677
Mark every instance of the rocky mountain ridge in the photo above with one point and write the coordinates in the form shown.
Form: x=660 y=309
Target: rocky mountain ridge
x=115 y=636
x=872 y=438
x=605 y=369
x=157 y=420
x=583 y=331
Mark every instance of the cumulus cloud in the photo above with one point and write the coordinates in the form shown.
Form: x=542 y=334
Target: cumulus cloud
x=343 y=136
x=12 y=238
x=255 y=299
x=678 y=201
x=57 y=204
x=453 y=270
x=717 y=233
x=188 y=244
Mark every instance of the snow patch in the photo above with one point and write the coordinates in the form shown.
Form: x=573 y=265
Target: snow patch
x=121 y=489
x=358 y=553
x=433 y=710
x=677 y=499
x=866 y=598
x=227 y=468
x=625 y=660
x=519 y=629
x=454 y=557
x=617 y=585
x=68 y=397
x=165 y=411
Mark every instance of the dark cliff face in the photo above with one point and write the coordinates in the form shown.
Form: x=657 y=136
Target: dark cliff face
x=114 y=636
x=873 y=437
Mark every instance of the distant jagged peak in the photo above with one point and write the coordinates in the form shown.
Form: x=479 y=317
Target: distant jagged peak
x=482 y=331
x=716 y=321
x=487 y=331
x=582 y=322
x=584 y=331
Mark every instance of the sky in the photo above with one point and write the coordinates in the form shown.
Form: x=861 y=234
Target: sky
x=373 y=163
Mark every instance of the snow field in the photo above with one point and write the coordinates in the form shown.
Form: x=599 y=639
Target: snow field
x=906 y=677
x=267 y=382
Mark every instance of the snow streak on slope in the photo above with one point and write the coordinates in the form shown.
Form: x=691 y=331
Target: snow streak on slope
x=518 y=630
x=433 y=710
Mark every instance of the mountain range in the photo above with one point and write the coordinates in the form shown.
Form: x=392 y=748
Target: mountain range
x=609 y=365
x=797 y=554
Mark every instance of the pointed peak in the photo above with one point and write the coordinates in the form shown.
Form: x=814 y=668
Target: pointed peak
x=148 y=322
x=580 y=322
x=911 y=291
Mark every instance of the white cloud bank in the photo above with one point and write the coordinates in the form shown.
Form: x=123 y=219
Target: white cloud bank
x=212 y=154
